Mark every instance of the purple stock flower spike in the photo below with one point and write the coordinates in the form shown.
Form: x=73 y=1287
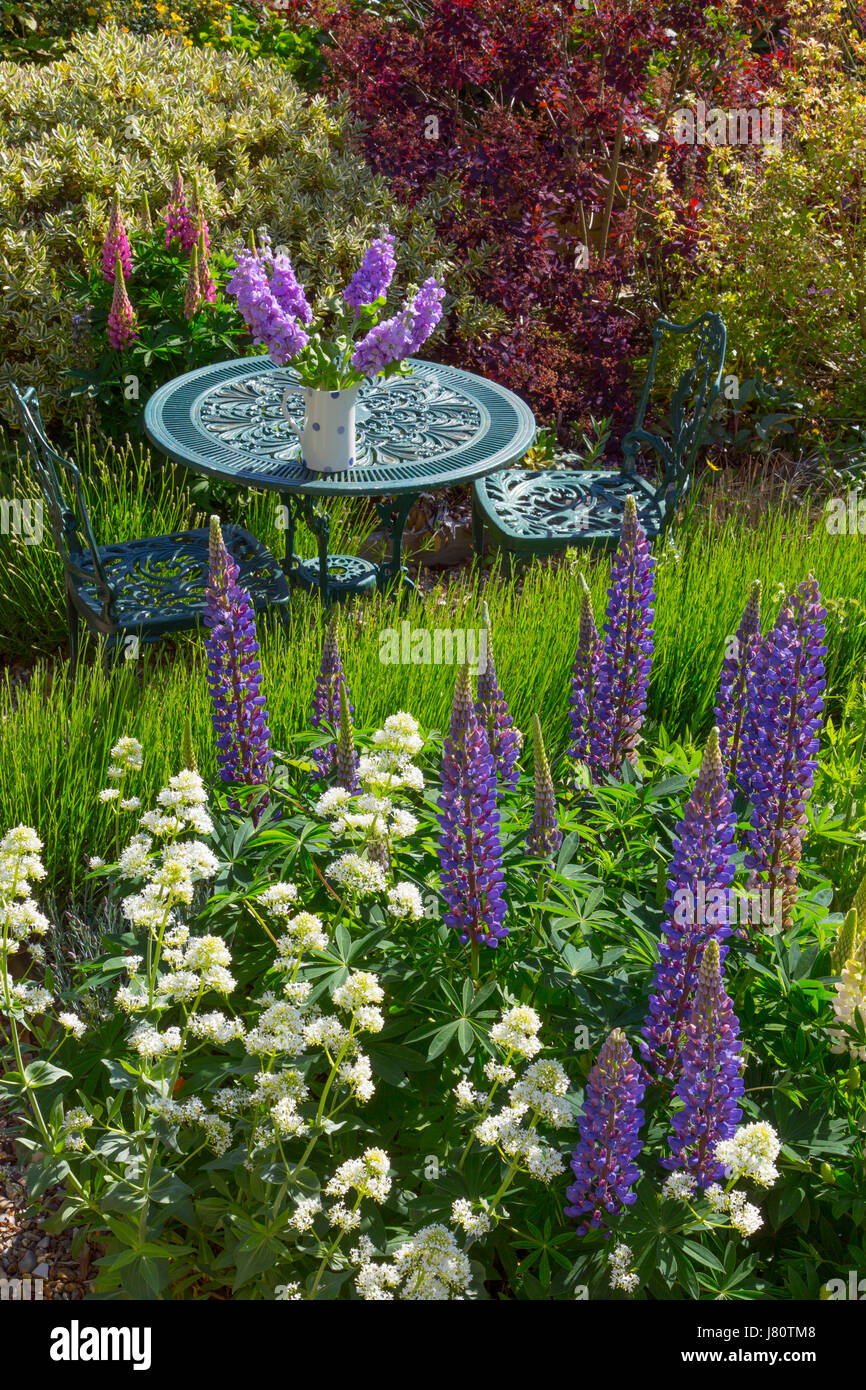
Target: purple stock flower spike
x=698 y=909
x=470 y=852
x=402 y=335
x=780 y=742
x=122 y=325
x=116 y=245
x=375 y=273
x=584 y=674
x=732 y=698
x=346 y=758
x=234 y=675
x=619 y=698
x=711 y=1080
x=492 y=709
x=260 y=309
x=603 y=1162
x=544 y=837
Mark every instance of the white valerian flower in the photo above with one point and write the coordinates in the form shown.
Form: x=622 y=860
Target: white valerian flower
x=849 y=1006
x=467 y=1097
x=333 y=801
x=95 y=862
x=109 y=794
x=326 y=1030
x=622 y=1276
x=29 y=998
x=432 y=1267
x=127 y=755
x=137 y=857
x=215 y=1027
x=679 y=1186
x=343 y=1217
x=130 y=803
x=278 y=899
x=359 y=989
x=516 y=1031
x=369 y=1175
x=751 y=1153
x=72 y=1024
x=148 y=1042
x=402 y=824
x=543 y=1163
x=474 y=1223
x=498 y=1071
x=305 y=1213
x=358 y=1076
x=298 y=991
x=405 y=902
x=77 y=1119
x=360 y=877
x=400 y=735
x=304 y=932
x=280 y=1029
x=218 y=1132
x=541 y=1089
x=129 y=1000
x=745 y=1217
x=716 y=1197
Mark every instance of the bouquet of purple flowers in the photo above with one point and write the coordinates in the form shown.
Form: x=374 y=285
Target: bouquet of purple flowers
x=275 y=308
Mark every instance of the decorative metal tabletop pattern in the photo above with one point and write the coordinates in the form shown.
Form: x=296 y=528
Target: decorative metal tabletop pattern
x=438 y=426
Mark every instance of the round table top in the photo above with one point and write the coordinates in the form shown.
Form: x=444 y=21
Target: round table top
x=439 y=425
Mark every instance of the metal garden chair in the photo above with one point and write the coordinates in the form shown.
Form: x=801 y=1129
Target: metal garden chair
x=141 y=588
x=542 y=511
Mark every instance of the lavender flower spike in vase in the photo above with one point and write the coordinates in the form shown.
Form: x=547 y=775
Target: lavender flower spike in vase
x=327 y=436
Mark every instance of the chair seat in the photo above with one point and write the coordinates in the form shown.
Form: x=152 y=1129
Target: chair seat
x=159 y=582
x=545 y=510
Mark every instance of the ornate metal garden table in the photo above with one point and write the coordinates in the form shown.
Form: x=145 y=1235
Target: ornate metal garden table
x=435 y=427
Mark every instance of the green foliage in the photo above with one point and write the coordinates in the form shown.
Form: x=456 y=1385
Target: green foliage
x=168 y=343
x=261 y=34
x=117 y=113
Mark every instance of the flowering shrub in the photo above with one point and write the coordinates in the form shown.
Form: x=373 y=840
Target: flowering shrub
x=260 y=154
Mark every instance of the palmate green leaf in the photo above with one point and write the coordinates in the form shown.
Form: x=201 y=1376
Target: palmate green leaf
x=41 y=1073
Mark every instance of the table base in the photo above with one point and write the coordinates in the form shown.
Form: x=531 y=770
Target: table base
x=341 y=576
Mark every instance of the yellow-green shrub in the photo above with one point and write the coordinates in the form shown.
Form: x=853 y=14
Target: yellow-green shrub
x=117 y=111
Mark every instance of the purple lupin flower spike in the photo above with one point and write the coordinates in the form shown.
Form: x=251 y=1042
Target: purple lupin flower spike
x=116 y=245
x=198 y=221
x=619 y=701
x=179 y=225
x=544 y=837
x=346 y=757
x=325 y=711
x=732 y=698
x=492 y=709
x=603 y=1162
x=206 y=286
x=470 y=853
x=234 y=675
x=711 y=1076
x=780 y=742
x=698 y=909
x=375 y=273
x=584 y=673
x=122 y=325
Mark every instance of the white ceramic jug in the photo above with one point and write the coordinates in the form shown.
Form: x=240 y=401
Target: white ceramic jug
x=328 y=434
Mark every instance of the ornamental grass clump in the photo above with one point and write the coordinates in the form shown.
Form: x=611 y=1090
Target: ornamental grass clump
x=469 y=845
x=603 y=1163
x=697 y=908
x=609 y=699
x=492 y=709
x=240 y=716
x=710 y=1076
x=780 y=742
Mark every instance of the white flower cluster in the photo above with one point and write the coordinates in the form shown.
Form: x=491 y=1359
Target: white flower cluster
x=127 y=756
x=473 y=1223
x=849 y=1005
x=371 y=816
x=751 y=1153
x=680 y=1186
x=744 y=1216
x=20 y=919
x=429 y=1268
x=369 y=1175
x=622 y=1276
x=539 y=1094
x=217 y=1131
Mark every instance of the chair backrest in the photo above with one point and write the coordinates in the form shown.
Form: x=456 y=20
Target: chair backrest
x=692 y=400
x=67 y=524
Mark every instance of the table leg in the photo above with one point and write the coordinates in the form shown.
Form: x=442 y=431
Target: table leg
x=393 y=515
x=290 y=559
